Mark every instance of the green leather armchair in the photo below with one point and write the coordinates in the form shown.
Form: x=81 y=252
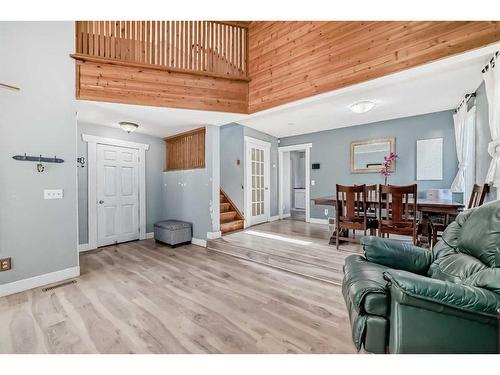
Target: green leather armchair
x=406 y=299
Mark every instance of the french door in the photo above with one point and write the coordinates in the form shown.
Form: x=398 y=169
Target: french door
x=257 y=181
x=117 y=194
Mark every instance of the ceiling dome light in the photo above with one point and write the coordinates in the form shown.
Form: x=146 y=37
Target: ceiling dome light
x=362 y=106
x=128 y=126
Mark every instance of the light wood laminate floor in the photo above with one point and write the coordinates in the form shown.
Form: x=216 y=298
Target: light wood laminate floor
x=141 y=297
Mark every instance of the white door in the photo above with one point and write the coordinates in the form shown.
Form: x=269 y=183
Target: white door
x=257 y=185
x=117 y=194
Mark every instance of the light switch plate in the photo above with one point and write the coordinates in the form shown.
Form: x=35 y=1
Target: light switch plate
x=53 y=194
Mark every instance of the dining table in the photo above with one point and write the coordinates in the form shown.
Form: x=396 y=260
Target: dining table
x=426 y=207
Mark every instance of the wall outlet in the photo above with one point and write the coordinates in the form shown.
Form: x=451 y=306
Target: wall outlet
x=326 y=211
x=5 y=264
x=313 y=182
x=53 y=194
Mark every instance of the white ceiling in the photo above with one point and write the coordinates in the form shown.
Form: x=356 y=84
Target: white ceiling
x=429 y=88
x=155 y=121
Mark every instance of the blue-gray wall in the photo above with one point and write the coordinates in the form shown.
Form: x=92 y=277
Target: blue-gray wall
x=155 y=164
x=40 y=235
x=331 y=149
x=232 y=176
x=193 y=195
x=483 y=137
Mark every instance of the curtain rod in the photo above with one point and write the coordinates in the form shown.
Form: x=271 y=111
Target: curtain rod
x=465 y=100
x=491 y=63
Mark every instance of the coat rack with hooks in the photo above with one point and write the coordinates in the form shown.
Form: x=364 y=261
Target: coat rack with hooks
x=40 y=159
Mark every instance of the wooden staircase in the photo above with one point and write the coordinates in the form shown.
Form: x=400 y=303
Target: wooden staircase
x=231 y=218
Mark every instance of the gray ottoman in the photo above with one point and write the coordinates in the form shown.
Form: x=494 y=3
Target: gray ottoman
x=173 y=232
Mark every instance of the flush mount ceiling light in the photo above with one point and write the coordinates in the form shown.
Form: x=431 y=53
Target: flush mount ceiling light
x=128 y=126
x=362 y=106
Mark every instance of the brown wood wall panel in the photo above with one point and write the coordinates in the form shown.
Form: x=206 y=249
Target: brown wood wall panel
x=204 y=46
x=186 y=150
x=288 y=61
x=146 y=86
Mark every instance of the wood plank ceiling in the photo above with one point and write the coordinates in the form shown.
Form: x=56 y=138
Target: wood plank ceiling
x=289 y=61
x=282 y=61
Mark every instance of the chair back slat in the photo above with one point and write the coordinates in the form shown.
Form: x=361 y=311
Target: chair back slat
x=351 y=202
x=478 y=195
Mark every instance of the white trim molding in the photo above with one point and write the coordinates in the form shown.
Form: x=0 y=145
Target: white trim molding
x=37 y=281
x=214 y=235
x=83 y=247
x=92 y=142
x=274 y=218
x=281 y=150
x=318 y=221
x=199 y=242
x=150 y=235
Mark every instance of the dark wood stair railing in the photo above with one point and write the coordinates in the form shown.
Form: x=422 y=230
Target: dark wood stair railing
x=231 y=219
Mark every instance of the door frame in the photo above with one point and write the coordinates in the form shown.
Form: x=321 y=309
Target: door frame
x=300 y=147
x=92 y=142
x=267 y=177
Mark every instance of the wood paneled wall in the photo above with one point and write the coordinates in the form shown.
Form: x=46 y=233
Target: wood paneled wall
x=186 y=150
x=115 y=82
x=294 y=60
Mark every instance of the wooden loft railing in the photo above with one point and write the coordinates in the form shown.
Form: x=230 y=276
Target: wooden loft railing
x=203 y=47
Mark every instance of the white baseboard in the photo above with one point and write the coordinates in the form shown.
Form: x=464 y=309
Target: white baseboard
x=284 y=216
x=318 y=221
x=214 y=235
x=83 y=247
x=197 y=241
x=274 y=218
x=37 y=281
x=150 y=235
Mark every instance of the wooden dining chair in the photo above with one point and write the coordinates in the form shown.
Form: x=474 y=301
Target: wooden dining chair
x=398 y=210
x=351 y=212
x=437 y=225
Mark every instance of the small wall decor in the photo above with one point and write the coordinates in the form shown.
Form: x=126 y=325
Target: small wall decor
x=430 y=159
x=39 y=159
x=366 y=156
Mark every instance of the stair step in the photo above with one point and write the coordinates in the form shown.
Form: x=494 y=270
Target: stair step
x=225 y=207
x=231 y=226
x=226 y=217
x=222 y=199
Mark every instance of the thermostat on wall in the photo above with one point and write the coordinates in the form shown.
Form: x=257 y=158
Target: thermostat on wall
x=315 y=166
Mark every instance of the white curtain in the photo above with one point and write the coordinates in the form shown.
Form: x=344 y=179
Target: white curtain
x=492 y=83
x=460 y=121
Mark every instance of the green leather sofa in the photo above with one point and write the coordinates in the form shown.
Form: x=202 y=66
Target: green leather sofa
x=405 y=299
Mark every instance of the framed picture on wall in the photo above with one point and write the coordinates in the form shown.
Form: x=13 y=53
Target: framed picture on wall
x=430 y=159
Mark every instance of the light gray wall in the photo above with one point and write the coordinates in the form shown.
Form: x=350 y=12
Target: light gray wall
x=193 y=195
x=483 y=137
x=331 y=149
x=40 y=235
x=155 y=164
x=232 y=176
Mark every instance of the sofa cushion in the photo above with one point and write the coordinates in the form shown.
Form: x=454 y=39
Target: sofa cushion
x=480 y=234
x=364 y=286
x=455 y=267
x=487 y=279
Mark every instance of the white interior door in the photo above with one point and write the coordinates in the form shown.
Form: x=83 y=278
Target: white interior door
x=257 y=185
x=117 y=194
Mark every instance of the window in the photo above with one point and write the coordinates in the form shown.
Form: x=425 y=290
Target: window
x=186 y=150
x=470 y=138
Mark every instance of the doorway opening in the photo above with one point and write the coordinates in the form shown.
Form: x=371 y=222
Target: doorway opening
x=294 y=176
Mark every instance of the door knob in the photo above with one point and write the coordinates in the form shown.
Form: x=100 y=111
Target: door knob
x=101 y=202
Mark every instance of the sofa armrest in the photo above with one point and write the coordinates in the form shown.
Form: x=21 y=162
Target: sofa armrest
x=396 y=254
x=423 y=292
